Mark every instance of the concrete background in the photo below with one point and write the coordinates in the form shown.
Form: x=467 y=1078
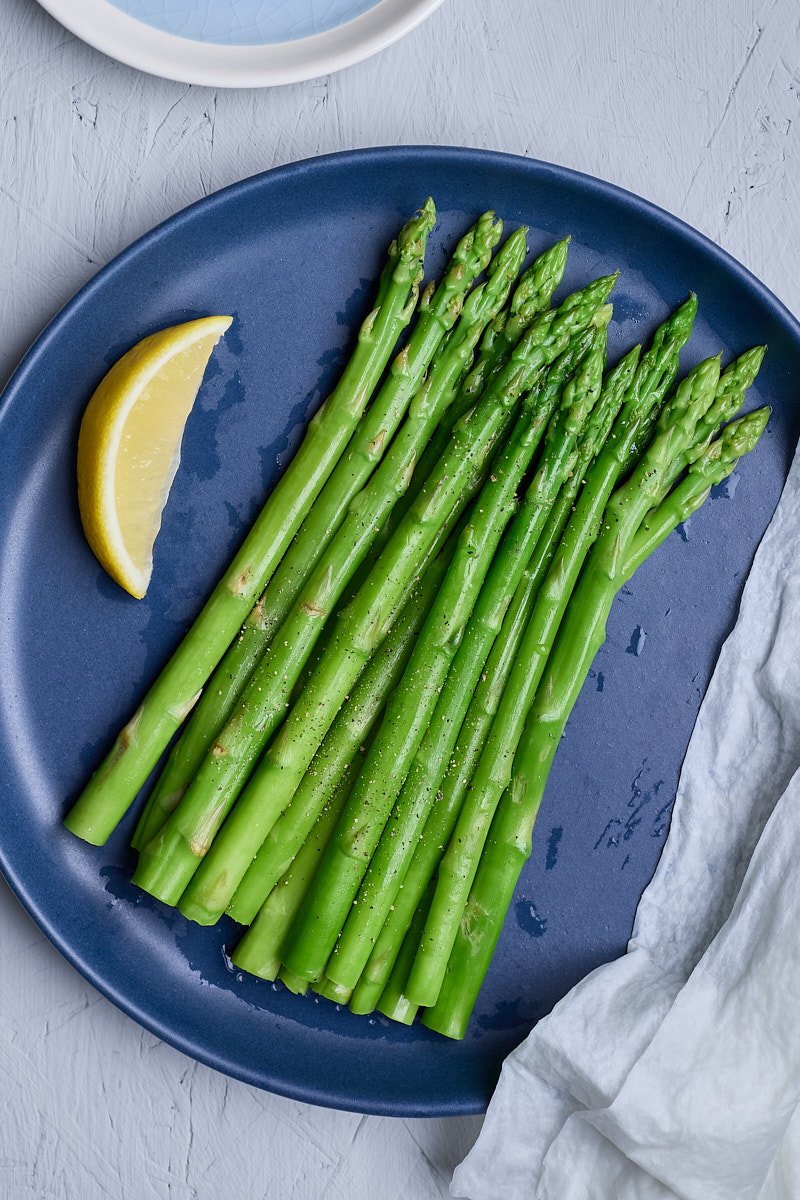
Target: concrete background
x=695 y=106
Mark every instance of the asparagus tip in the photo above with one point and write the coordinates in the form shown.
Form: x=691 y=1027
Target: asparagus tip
x=602 y=317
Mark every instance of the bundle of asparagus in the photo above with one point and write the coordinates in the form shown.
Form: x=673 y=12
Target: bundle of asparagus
x=380 y=682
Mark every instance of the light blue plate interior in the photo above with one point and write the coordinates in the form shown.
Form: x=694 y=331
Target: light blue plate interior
x=293 y=254
x=244 y=22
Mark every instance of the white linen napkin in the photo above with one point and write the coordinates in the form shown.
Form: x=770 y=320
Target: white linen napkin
x=675 y=1071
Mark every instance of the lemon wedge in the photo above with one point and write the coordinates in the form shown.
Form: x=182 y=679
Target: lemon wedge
x=130 y=444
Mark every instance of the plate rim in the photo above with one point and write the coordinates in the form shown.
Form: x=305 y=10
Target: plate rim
x=209 y=64
x=40 y=347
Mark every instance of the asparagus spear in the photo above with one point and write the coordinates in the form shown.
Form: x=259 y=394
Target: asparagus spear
x=400 y=838
x=439 y=311
x=509 y=843
x=352 y=725
x=259 y=951
x=331 y=991
x=418 y=704
x=168 y=862
x=293 y=983
x=623 y=514
x=442 y=818
x=653 y=376
x=342 y=869
x=365 y=622
x=115 y=784
x=393 y=1001
x=499 y=340
x=452 y=781
x=471 y=739
x=345 y=737
x=710 y=465
x=531 y=297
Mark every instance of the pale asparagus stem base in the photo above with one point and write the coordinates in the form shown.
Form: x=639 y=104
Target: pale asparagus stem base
x=393 y=1002
x=259 y=951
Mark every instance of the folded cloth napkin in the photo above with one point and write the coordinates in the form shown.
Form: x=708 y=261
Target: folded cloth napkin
x=675 y=1071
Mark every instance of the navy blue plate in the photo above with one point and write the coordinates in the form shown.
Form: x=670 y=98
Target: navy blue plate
x=293 y=254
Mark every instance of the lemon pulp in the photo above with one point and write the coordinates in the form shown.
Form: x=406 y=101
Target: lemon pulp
x=129 y=445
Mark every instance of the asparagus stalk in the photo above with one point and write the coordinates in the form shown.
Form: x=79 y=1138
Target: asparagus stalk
x=348 y=732
x=460 y=668
x=454 y=781
x=344 y=738
x=624 y=513
x=409 y=711
x=293 y=983
x=442 y=818
x=259 y=952
x=499 y=340
x=136 y=750
x=653 y=376
x=400 y=839
x=509 y=844
x=169 y=861
x=439 y=311
x=393 y=1001
x=331 y=991
x=531 y=297
x=364 y=624
x=710 y=465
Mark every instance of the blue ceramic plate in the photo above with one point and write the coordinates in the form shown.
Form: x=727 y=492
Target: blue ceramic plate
x=293 y=254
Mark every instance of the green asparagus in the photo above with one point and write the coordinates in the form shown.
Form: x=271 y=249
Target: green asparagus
x=348 y=732
x=393 y=1002
x=439 y=311
x=509 y=843
x=259 y=951
x=623 y=514
x=400 y=839
x=464 y=662
x=342 y=869
x=367 y=619
x=531 y=296
x=169 y=861
x=114 y=786
x=474 y=731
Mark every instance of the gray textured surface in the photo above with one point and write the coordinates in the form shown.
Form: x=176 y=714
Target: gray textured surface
x=694 y=106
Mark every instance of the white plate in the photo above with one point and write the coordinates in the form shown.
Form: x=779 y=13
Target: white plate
x=216 y=64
